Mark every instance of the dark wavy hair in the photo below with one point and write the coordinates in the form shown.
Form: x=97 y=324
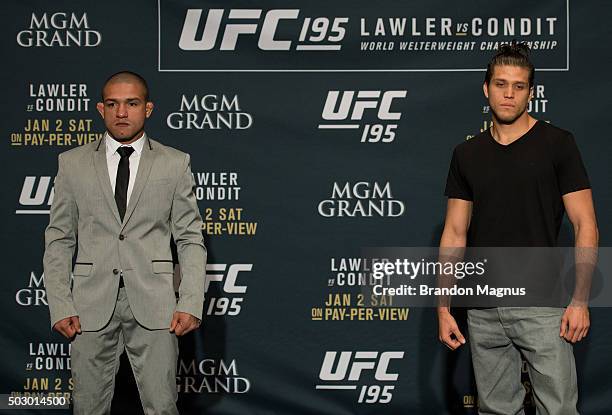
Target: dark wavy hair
x=513 y=54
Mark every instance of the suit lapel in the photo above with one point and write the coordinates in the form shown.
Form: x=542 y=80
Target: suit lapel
x=144 y=168
x=101 y=167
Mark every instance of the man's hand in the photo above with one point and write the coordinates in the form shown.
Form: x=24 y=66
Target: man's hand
x=447 y=326
x=68 y=326
x=183 y=323
x=575 y=323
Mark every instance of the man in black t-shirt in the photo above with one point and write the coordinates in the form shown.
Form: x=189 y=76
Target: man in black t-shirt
x=510 y=187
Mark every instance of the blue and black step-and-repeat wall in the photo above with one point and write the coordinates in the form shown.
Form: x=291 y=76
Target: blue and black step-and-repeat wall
x=315 y=129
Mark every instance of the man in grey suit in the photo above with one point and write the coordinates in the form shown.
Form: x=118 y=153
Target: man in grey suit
x=117 y=203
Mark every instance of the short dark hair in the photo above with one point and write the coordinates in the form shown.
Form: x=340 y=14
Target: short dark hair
x=513 y=54
x=126 y=76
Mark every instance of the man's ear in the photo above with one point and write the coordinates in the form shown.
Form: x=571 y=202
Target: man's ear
x=531 y=93
x=100 y=107
x=149 y=108
x=485 y=90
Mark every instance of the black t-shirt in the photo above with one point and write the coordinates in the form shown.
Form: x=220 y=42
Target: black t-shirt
x=516 y=189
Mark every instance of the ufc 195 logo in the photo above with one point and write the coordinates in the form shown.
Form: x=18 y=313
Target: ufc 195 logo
x=225 y=288
x=370 y=111
x=308 y=33
x=347 y=370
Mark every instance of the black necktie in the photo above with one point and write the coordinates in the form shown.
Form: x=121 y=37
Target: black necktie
x=123 y=179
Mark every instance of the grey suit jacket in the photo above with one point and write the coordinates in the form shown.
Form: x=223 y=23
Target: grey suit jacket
x=84 y=216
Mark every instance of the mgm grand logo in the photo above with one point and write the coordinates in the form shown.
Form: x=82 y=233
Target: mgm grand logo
x=60 y=29
x=363 y=199
x=209 y=112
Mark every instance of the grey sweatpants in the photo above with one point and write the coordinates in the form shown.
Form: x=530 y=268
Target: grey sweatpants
x=498 y=337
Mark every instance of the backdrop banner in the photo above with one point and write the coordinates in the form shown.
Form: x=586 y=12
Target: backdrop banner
x=317 y=130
